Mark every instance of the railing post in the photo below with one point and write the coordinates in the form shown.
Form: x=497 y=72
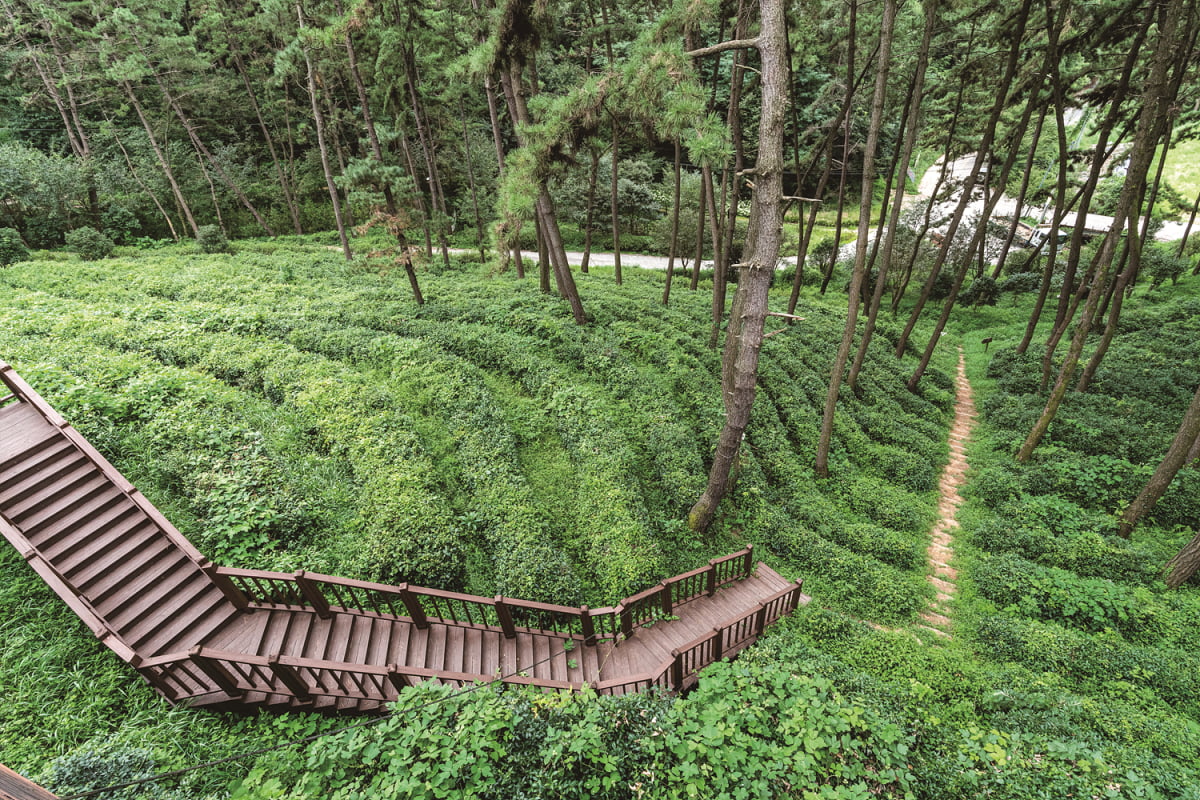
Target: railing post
x=413 y=605
x=718 y=644
x=587 y=626
x=288 y=677
x=749 y=560
x=665 y=595
x=677 y=670
x=397 y=678
x=710 y=587
x=216 y=671
x=626 y=621
x=228 y=588
x=152 y=677
x=312 y=593
x=760 y=620
x=794 y=601
x=505 y=617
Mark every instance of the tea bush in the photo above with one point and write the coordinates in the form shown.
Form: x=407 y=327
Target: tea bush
x=89 y=244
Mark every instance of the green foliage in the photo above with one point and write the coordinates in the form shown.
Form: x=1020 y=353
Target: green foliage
x=89 y=244
x=12 y=249
x=211 y=239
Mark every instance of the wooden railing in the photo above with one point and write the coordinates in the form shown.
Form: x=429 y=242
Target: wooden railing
x=325 y=594
x=182 y=676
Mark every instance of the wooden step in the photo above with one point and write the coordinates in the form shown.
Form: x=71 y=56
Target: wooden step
x=378 y=641
x=215 y=611
x=359 y=640
x=397 y=646
x=66 y=500
x=103 y=509
x=134 y=555
x=205 y=613
x=23 y=431
x=51 y=490
x=35 y=480
x=339 y=638
x=48 y=457
x=172 y=588
x=149 y=587
x=71 y=553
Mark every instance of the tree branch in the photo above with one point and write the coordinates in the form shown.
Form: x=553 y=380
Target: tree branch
x=732 y=44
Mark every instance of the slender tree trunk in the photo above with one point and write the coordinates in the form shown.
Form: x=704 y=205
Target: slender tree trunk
x=590 y=213
x=319 y=123
x=1019 y=205
x=1173 y=461
x=912 y=120
x=285 y=185
x=666 y=298
x=866 y=191
x=425 y=136
x=1187 y=231
x=739 y=372
x=700 y=234
x=1155 y=101
x=133 y=171
x=168 y=173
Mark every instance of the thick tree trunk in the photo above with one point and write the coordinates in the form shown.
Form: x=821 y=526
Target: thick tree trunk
x=1172 y=462
x=743 y=342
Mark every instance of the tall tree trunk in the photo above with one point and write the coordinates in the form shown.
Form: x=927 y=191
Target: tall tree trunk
x=1019 y=204
x=1187 y=231
x=425 y=136
x=1156 y=99
x=543 y=205
x=462 y=116
x=590 y=213
x=319 y=123
x=866 y=192
x=1176 y=457
x=743 y=342
x=666 y=298
x=137 y=178
x=165 y=165
x=916 y=92
x=285 y=185
x=699 y=235
x=980 y=235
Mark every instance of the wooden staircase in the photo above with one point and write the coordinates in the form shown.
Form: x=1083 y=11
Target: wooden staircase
x=212 y=636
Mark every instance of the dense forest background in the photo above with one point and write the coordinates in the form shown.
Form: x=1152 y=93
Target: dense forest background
x=269 y=258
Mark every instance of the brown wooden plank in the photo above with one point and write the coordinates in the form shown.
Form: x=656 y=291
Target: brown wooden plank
x=508 y=656
x=379 y=640
x=131 y=557
x=397 y=650
x=418 y=642
x=299 y=630
x=74 y=553
x=24 y=436
x=241 y=633
x=211 y=611
x=472 y=659
x=150 y=586
x=339 y=638
x=455 y=647
x=317 y=638
x=358 y=640
x=435 y=648
x=541 y=666
x=148 y=611
x=16 y=787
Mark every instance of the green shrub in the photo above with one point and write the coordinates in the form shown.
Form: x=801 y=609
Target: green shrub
x=12 y=248
x=89 y=244
x=211 y=239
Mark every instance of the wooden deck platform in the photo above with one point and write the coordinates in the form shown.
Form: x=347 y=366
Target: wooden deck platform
x=206 y=635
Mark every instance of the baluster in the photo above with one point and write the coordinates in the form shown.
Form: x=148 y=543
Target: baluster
x=413 y=605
